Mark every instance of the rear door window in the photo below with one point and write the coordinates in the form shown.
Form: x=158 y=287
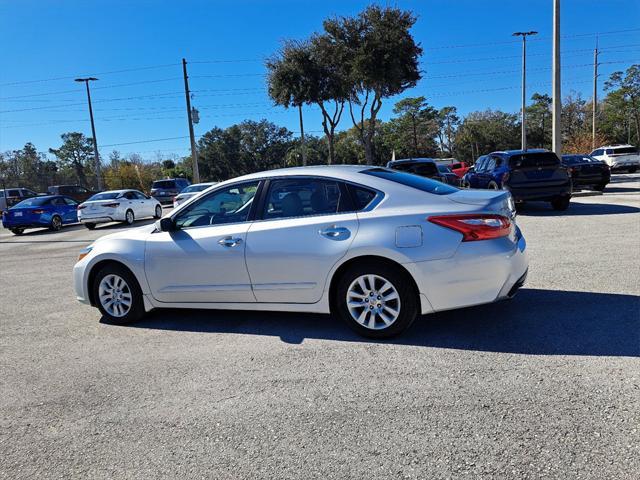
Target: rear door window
x=625 y=151
x=301 y=197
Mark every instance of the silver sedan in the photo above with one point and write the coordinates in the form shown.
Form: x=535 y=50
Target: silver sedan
x=375 y=246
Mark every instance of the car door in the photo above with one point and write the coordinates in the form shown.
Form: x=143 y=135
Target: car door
x=202 y=260
x=474 y=175
x=146 y=206
x=304 y=227
x=132 y=202
x=70 y=210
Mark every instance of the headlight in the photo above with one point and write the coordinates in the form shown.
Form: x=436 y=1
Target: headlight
x=84 y=252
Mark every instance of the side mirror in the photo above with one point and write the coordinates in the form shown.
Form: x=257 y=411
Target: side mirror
x=165 y=224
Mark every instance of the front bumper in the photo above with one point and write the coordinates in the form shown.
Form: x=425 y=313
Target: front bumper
x=79 y=282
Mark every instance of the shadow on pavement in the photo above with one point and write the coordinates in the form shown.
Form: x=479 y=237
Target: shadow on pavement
x=538 y=322
x=540 y=209
x=615 y=189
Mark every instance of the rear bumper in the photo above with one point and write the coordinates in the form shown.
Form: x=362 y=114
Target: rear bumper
x=478 y=273
x=101 y=219
x=164 y=200
x=30 y=224
x=539 y=193
x=591 y=180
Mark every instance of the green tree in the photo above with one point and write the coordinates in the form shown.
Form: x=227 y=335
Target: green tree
x=382 y=61
x=539 y=121
x=416 y=125
x=448 y=122
x=628 y=85
x=76 y=153
x=487 y=131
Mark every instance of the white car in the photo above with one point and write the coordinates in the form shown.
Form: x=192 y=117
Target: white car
x=619 y=157
x=190 y=192
x=117 y=206
x=375 y=246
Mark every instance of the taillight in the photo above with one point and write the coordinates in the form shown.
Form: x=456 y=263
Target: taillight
x=475 y=227
x=111 y=205
x=80 y=207
x=505 y=177
x=38 y=211
x=570 y=170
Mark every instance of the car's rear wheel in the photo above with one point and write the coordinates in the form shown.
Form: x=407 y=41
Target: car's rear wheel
x=493 y=186
x=561 y=203
x=17 y=231
x=56 y=223
x=600 y=187
x=90 y=226
x=117 y=294
x=376 y=300
x=129 y=218
x=158 y=212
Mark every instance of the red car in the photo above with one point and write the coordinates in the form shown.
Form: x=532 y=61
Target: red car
x=460 y=168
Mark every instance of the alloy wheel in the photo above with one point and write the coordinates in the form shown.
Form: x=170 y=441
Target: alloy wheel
x=373 y=301
x=115 y=295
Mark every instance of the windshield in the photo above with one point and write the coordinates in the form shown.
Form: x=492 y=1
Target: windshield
x=410 y=180
x=105 y=196
x=33 y=202
x=195 y=188
x=166 y=184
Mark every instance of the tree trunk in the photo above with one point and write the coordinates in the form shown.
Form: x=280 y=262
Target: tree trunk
x=415 y=138
x=304 y=148
x=330 y=139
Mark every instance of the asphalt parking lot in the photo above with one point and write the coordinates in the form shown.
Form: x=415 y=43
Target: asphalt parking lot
x=546 y=385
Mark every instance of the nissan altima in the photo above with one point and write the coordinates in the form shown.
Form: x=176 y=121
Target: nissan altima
x=374 y=246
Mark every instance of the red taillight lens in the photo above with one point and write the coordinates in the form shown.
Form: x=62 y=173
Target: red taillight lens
x=80 y=207
x=38 y=212
x=475 y=227
x=111 y=205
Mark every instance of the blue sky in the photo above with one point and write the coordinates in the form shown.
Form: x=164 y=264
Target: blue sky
x=470 y=60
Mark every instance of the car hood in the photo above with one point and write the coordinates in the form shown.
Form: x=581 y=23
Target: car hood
x=138 y=233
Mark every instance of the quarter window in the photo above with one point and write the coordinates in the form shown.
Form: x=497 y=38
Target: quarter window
x=302 y=197
x=227 y=205
x=362 y=197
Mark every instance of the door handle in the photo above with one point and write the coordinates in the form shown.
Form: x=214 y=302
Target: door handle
x=229 y=242
x=333 y=232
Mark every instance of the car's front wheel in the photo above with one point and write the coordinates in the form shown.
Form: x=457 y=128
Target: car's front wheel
x=90 y=226
x=376 y=300
x=17 y=231
x=117 y=294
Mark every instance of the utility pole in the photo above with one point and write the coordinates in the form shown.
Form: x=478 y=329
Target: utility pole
x=595 y=97
x=524 y=36
x=304 y=148
x=96 y=156
x=194 y=153
x=557 y=95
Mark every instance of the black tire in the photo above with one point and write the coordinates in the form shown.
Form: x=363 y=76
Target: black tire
x=90 y=226
x=56 y=223
x=465 y=184
x=600 y=187
x=136 y=310
x=633 y=169
x=409 y=298
x=158 y=211
x=561 y=203
x=493 y=186
x=17 y=231
x=129 y=219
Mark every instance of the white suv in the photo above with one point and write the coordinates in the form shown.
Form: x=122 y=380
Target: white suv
x=619 y=157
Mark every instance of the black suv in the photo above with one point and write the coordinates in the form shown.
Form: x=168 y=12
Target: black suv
x=165 y=190
x=78 y=193
x=425 y=167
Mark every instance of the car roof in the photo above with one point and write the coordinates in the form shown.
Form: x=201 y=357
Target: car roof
x=620 y=145
x=412 y=160
x=343 y=172
x=510 y=153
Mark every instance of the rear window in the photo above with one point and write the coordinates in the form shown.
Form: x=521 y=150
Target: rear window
x=164 y=184
x=33 y=202
x=426 y=169
x=411 y=180
x=105 y=196
x=537 y=159
x=622 y=151
x=573 y=159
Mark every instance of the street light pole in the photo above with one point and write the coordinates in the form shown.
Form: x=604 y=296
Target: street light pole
x=524 y=36
x=96 y=156
x=192 y=138
x=556 y=87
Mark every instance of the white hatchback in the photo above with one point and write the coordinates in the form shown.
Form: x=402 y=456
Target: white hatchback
x=117 y=206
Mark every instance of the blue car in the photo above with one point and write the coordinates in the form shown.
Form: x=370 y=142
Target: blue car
x=51 y=211
x=529 y=175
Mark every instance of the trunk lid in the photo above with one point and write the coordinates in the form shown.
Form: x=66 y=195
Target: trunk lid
x=498 y=201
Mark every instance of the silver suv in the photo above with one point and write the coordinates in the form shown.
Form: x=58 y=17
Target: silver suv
x=619 y=157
